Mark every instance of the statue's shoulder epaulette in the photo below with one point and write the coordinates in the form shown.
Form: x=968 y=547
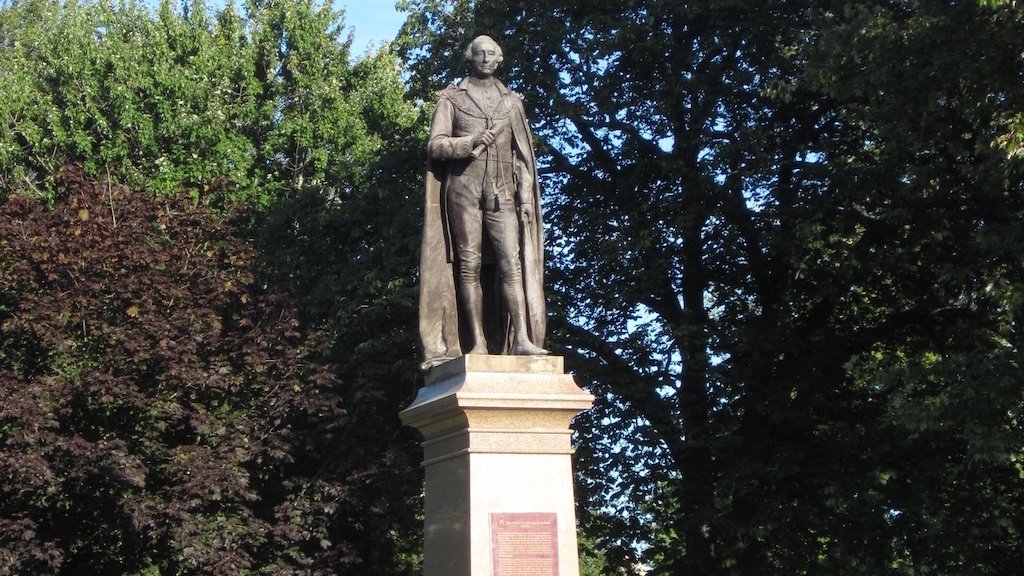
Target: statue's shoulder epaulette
x=447 y=91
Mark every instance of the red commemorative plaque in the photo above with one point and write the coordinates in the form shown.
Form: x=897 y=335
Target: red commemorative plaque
x=524 y=543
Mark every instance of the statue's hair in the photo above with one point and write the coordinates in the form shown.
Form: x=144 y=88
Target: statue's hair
x=469 y=49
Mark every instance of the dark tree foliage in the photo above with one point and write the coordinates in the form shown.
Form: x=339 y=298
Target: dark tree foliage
x=162 y=412
x=352 y=265
x=786 y=246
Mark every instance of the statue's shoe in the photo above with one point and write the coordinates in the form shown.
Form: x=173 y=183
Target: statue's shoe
x=528 y=349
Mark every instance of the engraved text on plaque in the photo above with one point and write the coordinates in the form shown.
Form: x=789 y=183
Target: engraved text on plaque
x=524 y=543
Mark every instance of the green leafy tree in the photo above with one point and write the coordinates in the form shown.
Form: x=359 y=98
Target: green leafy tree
x=157 y=99
x=786 y=258
x=266 y=98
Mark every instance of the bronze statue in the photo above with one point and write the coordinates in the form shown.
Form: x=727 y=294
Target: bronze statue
x=482 y=260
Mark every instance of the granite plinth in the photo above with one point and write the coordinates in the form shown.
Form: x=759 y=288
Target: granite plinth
x=496 y=441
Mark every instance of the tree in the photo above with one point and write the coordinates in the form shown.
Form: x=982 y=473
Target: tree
x=261 y=106
x=266 y=98
x=785 y=246
x=155 y=98
x=936 y=186
x=167 y=413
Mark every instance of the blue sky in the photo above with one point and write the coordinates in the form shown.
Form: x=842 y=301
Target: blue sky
x=372 y=21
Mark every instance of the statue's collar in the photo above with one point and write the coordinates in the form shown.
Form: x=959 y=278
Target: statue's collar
x=464 y=85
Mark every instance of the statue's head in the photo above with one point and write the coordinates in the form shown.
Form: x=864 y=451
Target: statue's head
x=483 y=55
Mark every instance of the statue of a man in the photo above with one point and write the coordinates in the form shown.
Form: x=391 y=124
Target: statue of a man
x=481 y=266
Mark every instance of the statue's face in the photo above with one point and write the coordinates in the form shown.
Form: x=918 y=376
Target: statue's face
x=485 y=58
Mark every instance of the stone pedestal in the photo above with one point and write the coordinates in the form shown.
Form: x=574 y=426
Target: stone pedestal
x=499 y=487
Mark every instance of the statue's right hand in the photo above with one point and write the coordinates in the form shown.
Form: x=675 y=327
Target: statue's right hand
x=485 y=138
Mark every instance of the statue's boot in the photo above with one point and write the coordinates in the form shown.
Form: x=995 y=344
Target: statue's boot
x=473 y=308
x=527 y=348
x=517 y=310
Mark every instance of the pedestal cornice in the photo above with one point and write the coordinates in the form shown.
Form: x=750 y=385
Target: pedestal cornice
x=496 y=395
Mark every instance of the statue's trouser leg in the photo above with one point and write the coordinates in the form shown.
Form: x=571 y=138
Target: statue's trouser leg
x=503 y=229
x=466 y=221
x=473 y=308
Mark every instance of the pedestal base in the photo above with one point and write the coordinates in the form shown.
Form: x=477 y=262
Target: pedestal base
x=497 y=449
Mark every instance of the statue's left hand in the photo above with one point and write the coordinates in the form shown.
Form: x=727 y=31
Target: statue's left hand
x=526 y=213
